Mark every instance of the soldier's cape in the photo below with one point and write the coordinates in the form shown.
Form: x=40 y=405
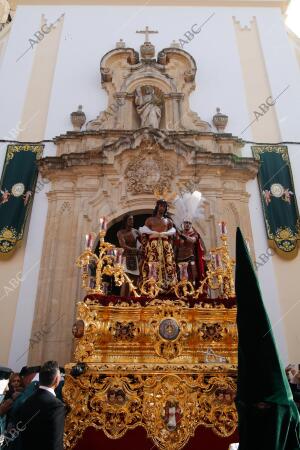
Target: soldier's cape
x=268 y=416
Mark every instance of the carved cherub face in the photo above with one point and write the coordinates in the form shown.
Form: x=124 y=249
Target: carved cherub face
x=111 y=396
x=220 y=395
x=78 y=329
x=120 y=397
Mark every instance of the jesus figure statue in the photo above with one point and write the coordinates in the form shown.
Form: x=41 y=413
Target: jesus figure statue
x=158 y=233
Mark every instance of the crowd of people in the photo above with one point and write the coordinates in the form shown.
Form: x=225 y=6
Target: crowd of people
x=32 y=411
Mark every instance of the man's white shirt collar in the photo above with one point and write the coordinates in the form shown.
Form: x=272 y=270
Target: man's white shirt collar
x=46 y=388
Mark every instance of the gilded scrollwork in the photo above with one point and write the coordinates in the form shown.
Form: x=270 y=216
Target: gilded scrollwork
x=123 y=331
x=84 y=349
x=166 y=365
x=159 y=330
x=211 y=332
x=169 y=406
x=172 y=416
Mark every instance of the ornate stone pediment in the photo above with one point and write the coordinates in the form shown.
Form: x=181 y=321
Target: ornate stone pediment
x=148 y=91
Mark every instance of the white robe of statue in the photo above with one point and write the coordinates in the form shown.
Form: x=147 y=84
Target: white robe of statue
x=149 y=112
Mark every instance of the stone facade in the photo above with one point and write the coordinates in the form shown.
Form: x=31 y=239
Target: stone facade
x=113 y=167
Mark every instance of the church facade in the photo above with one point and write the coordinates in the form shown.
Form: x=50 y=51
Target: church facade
x=149 y=121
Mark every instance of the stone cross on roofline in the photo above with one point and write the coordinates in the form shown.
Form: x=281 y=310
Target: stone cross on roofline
x=146 y=32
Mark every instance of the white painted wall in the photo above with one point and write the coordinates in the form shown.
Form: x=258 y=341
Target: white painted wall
x=265 y=273
x=27 y=296
x=91 y=31
x=14 y=75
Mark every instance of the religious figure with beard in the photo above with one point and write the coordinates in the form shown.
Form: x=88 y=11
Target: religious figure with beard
x=157 y=237
x=146 y=107
x=128 y=240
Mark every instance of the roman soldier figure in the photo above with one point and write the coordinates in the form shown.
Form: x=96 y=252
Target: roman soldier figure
x=189 y=248
x=189 y=245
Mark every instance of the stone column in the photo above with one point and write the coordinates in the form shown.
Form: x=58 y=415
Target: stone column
x=176 y=103
x=173 y=110
x=59 y=278
x=123 y=106
x=169 y=118
x=55 y=304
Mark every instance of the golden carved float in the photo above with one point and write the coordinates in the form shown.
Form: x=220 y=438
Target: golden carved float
x=145 y=359
x=166 y=363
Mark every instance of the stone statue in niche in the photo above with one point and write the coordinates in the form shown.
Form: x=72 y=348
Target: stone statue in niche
x=147 y=107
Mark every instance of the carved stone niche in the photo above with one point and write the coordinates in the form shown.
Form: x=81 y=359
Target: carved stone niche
x=148 y=92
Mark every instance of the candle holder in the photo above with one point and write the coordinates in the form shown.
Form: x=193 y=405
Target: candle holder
x=219 y=274
x=111 y=262
x=184 y=287
x=84 y=261
x=150 y=287
x=119 y=273
x=108 y=263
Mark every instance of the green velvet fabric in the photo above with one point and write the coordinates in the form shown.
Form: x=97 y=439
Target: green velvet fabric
x=16 y=193
x=268 y=416
x=278 y=197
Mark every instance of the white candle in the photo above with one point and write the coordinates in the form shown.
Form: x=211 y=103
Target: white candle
x=222 y=226
x=89 y=240
x=103 y=223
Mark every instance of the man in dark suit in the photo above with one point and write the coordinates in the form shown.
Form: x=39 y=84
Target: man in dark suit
x=43 y=415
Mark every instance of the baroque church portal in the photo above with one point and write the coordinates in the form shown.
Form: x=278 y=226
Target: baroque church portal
x=145 y=190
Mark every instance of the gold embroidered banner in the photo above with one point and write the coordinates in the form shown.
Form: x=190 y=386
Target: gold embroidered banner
x=278 y=198
x=16 y=193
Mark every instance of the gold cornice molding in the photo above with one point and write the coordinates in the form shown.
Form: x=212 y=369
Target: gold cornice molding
x=282 y=4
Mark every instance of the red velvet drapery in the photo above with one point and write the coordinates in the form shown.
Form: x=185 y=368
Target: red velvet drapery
x=204 y=439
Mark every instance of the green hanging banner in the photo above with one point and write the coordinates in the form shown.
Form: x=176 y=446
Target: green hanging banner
x=278 y=199
x=16 y=193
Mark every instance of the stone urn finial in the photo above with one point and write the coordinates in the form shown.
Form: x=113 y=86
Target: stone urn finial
x=120 y=44
x=174 y=44
x=78 y=118
x=220 y=121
